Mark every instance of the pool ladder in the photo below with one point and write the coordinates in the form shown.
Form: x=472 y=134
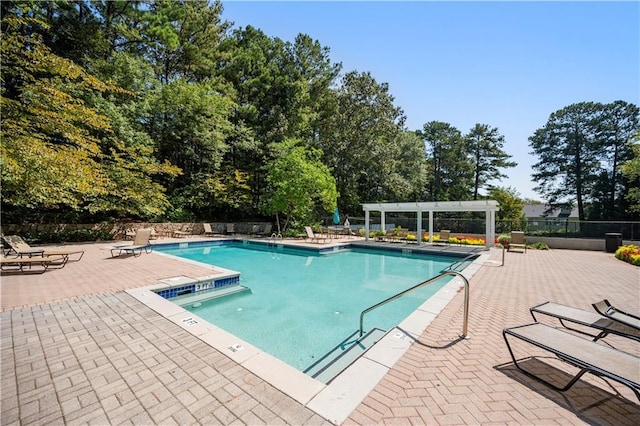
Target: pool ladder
x=465 y=317
x=275 y=237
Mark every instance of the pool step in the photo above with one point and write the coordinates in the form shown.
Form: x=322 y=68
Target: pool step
x=208 y=295
x=343 y=355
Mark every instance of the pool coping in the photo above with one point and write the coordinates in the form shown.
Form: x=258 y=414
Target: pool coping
x=337 y=400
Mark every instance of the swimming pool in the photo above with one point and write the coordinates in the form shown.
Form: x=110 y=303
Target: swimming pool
x=301 y=304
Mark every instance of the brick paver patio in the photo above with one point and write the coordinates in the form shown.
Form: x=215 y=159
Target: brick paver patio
x=76 y=349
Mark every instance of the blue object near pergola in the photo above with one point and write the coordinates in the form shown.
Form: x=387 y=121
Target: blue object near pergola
x=490 y=207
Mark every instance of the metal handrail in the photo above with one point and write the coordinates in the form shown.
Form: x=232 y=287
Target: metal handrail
x=275 y=237
x=465 y=317
x=460 y=262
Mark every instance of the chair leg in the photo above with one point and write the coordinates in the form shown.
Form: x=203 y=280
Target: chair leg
x=538 y=378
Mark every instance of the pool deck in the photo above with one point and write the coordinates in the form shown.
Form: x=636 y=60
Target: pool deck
x=78 y=347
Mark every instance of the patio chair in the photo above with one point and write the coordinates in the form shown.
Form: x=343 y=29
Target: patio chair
x=388 y=235
x=20 y=248
x=445 y=234
x=231 y=228
x=25 y=264
x=207 y=229
x=517 y=241
x=592 y=320
x=266 y=230
x=140 y=243
x=604 y=308
x=587 y=355
x=179 y=233
x=312 y=236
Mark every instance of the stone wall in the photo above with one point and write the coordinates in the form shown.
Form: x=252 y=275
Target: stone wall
x=118 y=229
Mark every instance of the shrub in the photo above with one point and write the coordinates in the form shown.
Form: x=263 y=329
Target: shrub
x=629 y=253
x=76 y=235
x=472 y=241
x=504 y=240
x=538 y=246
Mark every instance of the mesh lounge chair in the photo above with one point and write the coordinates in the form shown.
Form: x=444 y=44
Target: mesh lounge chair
x=178 y=233
x=207 y=229
x=517 y=241
x=129 y=234
x=267 y=230
x=20 y=248
x=604 y=308
x=592 y=320
x=231 y=228
x=25 y=264
x=140 y=243
x=584 y=354
x=312 y=236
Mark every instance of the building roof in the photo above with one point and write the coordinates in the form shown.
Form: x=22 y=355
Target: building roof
x=542 y=210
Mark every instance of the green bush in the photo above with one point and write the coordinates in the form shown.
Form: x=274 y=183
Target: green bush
x=539 y=246
x=72 y=236
x=504 y=240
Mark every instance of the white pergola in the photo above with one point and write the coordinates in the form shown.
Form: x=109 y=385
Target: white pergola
x=488 y=206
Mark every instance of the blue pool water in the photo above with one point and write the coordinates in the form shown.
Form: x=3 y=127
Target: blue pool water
x=302 y=304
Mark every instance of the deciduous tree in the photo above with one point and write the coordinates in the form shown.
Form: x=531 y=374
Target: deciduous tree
x=63 y=149
x=299 y=184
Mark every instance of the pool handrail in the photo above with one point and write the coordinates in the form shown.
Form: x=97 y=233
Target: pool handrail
x=460 y=262
x=422 y=284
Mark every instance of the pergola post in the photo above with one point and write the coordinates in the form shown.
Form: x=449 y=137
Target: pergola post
x=366 y=225
x=419 y=228
x=430 y=226
x=490 y=228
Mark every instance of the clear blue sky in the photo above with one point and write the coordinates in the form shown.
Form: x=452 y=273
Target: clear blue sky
x=505 y=64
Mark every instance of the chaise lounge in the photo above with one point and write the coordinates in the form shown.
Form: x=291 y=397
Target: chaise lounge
x=140 y=243
x=604 y=308
x=207 y=229
x=25 y=264
x=594 y=320
x=587 y=355
x=20 y=248
x=312 y=236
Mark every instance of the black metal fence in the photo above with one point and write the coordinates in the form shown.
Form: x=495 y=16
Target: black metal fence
x=553 y=227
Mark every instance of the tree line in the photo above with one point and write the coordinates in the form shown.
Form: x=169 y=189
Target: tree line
x=160 y=110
